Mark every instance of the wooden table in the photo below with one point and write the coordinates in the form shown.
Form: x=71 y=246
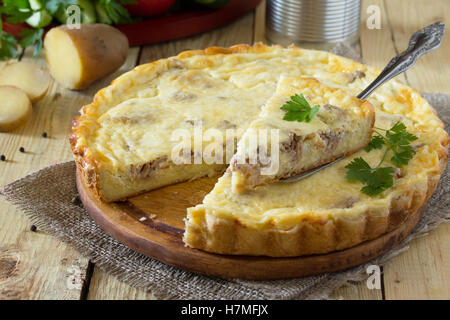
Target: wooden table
x=34 y=265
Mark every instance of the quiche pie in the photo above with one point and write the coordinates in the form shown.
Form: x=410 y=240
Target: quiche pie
x=123 y=142
x=274 y=148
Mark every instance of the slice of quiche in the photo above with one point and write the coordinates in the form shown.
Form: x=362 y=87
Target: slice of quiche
x=305 y=124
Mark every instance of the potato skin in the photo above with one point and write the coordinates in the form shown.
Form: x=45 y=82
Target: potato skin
x=102 y=50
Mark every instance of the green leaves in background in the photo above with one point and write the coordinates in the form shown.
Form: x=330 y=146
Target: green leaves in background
x=8 y=47
x=16 y=10
x=53 y=6
x=32 y=37
x=113 y=12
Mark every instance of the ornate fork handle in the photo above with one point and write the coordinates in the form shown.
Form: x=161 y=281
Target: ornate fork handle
x=421 y=42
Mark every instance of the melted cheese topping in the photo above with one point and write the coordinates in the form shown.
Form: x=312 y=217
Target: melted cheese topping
x=343 y=124
x=132 y=123
x=321 y=195
x=136 y=127
x=138 y=130
x=271 y=115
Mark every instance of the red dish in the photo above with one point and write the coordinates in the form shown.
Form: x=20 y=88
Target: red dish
x=174 y=26
x=146 y=8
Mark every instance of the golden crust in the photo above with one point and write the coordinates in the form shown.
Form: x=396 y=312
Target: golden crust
x=313 y=235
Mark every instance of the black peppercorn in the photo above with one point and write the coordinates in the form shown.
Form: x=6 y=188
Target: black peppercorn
x=33 y=228
x=22 y=149
x=44 y=135
x=76 y=201
x=2 y=157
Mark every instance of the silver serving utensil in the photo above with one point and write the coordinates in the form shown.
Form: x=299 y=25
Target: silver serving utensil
x=421 y=42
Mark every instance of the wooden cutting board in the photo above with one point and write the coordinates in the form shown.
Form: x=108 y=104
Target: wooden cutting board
x=153 y=225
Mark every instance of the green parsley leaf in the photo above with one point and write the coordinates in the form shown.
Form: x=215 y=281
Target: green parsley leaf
x=32 y=37
x=402 y=155
x=399 y=140
x=380 y=179
x=8 y=47
x=298 y=109
x=377 y=142
x=359 y=169
x=376 y=180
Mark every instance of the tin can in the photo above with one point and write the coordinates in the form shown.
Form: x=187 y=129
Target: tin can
x=313 y=23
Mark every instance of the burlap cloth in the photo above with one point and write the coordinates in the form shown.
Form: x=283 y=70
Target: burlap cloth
x=46 y=198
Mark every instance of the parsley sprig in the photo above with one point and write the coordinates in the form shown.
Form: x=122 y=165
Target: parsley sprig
x=398 y=142
x=298 y=109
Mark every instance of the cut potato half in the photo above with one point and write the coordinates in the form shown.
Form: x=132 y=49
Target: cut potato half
x=28 y=76
x=15 y=108
x=78 y=57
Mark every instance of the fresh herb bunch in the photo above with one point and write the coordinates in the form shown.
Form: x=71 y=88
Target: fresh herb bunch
x=397 y=141
x=299 y=109
x=39 y=13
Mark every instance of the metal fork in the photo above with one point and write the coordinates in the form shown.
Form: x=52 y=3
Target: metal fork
x=421 y=42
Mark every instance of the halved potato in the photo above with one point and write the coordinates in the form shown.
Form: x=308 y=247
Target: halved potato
x=78 y=57
x=30 y=77
x=15 y=107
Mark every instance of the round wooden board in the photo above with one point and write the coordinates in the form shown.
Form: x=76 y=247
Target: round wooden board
x=160 y=237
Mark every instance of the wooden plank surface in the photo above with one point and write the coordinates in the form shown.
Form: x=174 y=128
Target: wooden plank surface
x=423 y=271
x=376 y=48
x=36 y=266
x=259 y=24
